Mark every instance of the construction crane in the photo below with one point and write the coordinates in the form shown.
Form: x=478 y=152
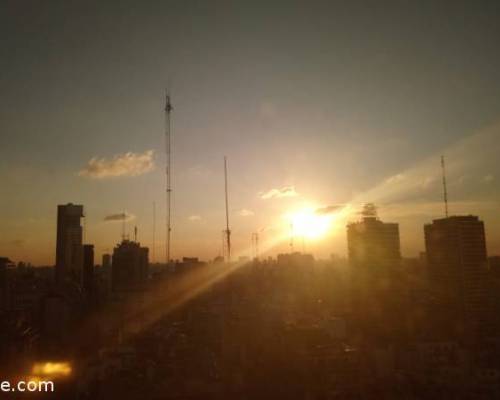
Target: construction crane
x=227 y=231
x=168 y=171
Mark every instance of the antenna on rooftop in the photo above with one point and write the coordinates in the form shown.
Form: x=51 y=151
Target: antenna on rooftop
x=445 y=191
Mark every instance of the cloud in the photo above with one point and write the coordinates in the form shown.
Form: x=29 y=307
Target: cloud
x=18 y=243
x=246 y=213
x=488 y=178
x=427 y=182
x=199 y=170
x=285 y=191
x=329 y=209
x=119 y=217
x=395 y=179
x=194 y=218
x=128 y=164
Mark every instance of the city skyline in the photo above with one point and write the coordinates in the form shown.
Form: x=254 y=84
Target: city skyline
x=336 y=113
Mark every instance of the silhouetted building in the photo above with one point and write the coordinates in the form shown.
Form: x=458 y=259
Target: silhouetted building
x=4 y=283
x=106 y=261
x=457 y=265
x=88 y=267
x=69 y=257
x=374 y=259
x=373 y=244
x=296 y=259
x=130 y=265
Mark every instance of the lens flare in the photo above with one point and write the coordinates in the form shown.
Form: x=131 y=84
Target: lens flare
x=307 y=223
x=52 y=369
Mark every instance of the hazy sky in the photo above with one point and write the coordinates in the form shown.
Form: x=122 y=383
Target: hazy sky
x=340 y=102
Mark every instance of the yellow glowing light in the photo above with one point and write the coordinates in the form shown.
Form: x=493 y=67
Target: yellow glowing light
x=309 y=224
x=52 y=369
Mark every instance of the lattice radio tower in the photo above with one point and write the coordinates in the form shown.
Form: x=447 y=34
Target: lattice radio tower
x=168 y=171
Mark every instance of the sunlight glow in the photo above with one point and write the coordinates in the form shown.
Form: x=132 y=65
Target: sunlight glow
x=52 y=369
x=308 y=224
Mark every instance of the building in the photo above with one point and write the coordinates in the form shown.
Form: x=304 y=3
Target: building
x=457 y=266
x=373 y=244
x=5 y=290
x=88 y=267
x=376 y=288
x=69 y=251
x=129 y=265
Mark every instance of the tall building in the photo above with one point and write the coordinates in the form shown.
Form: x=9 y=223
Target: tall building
x=457 y=266
x=88 y=267
x=69 y=251
x=373 y=244
x=129 y=265
x=374 y=258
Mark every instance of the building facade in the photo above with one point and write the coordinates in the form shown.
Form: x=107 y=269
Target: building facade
x=129 y=265
x=457 y=267
x=69 y=250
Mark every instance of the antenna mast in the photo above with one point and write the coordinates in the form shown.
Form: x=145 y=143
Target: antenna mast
x=445 y=191
x=168 y=171
x=228 y=231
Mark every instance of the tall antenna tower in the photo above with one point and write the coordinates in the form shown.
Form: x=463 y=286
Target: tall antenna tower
x=445 y=191
x=227 y=231
x=168 y=171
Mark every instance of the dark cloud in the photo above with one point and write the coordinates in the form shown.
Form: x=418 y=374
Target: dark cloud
x=119 y=217
x=329 y=209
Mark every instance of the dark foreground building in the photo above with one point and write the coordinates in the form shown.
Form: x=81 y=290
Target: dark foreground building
x=69 y=250
x=457 y=267
x=129 y=265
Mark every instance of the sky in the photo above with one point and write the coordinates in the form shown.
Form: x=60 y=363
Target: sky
x=315 y=104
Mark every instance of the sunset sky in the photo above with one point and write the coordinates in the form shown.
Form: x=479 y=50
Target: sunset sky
x=315 y=104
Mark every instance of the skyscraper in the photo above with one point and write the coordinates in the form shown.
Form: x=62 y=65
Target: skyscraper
x=373 y=244
x=457 y=262
x=88 y=267
x=129 y=265
x=69 y=253
x=374 y=257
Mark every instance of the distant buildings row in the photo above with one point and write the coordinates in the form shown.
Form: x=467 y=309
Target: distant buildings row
x=75 y=260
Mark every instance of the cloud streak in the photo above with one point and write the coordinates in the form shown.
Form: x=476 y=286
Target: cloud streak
x=246 y=213
x=128 y=164
x=276 y=193
x=119 y=217
x=329 y=209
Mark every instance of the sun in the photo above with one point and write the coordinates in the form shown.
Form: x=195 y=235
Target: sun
x=308 y=224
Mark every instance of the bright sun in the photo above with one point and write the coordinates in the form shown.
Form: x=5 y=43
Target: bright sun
x=307 y=223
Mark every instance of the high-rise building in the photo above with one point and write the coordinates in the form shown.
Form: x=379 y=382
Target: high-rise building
x=88 y=267
x=130 y=265
x=69 y=251
x=373 y=244
x=106 y=261
x=374 y=258
x=457 y=266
